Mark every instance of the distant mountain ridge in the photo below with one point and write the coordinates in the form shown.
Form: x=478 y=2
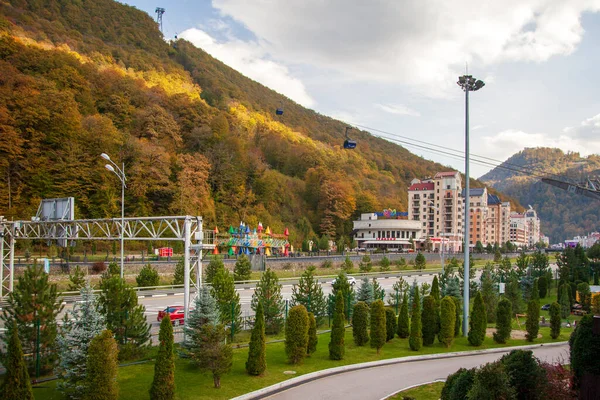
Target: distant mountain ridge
x=563 y=215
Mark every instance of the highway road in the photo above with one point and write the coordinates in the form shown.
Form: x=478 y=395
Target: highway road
x=380 y=382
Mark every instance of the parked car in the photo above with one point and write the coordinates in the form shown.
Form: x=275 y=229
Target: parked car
x=175 y=313
x=546 y=307
x=351 y=281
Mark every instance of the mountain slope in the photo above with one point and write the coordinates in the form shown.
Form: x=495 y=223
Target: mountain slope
x=81 y=77
x=563 y=215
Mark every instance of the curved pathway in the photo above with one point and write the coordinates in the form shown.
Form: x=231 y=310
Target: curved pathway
x=379 y=382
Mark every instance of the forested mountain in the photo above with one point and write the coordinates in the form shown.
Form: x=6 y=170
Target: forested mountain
x=82 y=77
x=563 y=214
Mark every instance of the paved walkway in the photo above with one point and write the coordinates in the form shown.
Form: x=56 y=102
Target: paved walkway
x=379 y=382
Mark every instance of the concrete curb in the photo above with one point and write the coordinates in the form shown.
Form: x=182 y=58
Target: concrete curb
x=291 y=383
x=411 y=387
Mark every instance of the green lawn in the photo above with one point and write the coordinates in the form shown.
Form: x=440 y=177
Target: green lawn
x=135 y=380
x=424 y=392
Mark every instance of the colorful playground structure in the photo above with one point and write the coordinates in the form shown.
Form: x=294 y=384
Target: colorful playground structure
x=243 y=240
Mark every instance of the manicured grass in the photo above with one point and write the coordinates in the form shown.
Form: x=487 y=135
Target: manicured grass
x=135 y=380
x=424 y=392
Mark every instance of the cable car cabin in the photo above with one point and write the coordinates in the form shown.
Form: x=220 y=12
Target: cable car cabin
x=279 y=111
x=349 y=144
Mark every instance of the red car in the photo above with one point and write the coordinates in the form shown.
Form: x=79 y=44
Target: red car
x=175 y=314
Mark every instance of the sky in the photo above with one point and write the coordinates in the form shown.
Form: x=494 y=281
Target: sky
x=392 y=65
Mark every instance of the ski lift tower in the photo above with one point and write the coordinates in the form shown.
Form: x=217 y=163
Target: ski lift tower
x=159 y=14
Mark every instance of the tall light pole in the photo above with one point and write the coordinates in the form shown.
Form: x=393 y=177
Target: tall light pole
x=120 y=173
x=468 y=84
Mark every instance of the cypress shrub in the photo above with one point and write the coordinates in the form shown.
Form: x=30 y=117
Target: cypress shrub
x=415 y=340
x=163 y=384
x=532 y=324
x=296 y=334
x=491 y=382
x=565 y=303
x=390 y=324
x=543 y=286
x=525 y=374
x=338 y=331
x=403 y=323
x=313 y=339
x=584 y=350
x=101 y=379
x=360 y=323
x=503 y=321
x=16 y=385
x=478 y=322
x=555 y=320
x=447 y=321
x=148 y=276
x=257 y=361
x=428 y=320
x=458 y=384
x=457 y=322
x=378 y=326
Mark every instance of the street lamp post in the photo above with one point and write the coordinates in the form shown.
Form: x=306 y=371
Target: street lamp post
x=120 y=173
x=468 y=84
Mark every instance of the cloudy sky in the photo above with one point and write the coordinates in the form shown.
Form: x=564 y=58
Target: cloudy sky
x=392 y=65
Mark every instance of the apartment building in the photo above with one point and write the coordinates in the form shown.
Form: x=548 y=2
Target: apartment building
x=497 y=221
x=518 y=230
x=478 y=214
x=533 y=227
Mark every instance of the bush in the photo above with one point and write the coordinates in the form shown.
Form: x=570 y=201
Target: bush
x=390 y=324
x=327 y=264
x=365 y=264
x=385 y=264
x=99 y=267
x=584 y=350
x=401 y=263
x=447 y=321
x=257 y=363
x=215 y=264
x=458 y=384
x=532 y=324
x=491 y=382
x=360 y=323
x=296 y=334
x=503 y=321
x=555 y=388
x=478 y=322
x=565 y=303
x=242 y=271
x=338 y=331
x=378 y=327
x=16 y=384
x=313 y=339
x=555 y=320
x=457 y=322
x=524 y=374
x=429 y=320
x=420 y=261
x=415 y=340
x=542 y=286
x=403 y=322
x=148 y=276
x=101 y=379
x=163 y=385
x=347 y=265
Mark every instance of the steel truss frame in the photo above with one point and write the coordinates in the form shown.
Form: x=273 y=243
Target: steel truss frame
x=186 y=229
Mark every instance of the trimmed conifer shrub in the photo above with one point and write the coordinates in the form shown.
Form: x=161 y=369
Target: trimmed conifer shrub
x=378 y=328
x=360 y=323
x=403 y=322
x=296 y=334
x=338 y=331
x=542 y=286
x=257 y=361
x=415 y=340
x=429 y=320
x=457 y=322
x=313 y=339
x=148 y=276
x=458 y=384
x=163 y=385
x=16 y=385
x=532 y=324
x=478 y=322
x=584 y=348
x=565 y=303
x=554 y=320
x=525 y=374
x=447 y=321
x=390 y=324
x=102 y=362
x=503 y=321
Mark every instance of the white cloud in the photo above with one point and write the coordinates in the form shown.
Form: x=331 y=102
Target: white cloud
x=422 y=44
x=252 y=60
x=589 y=129
x=398 y=109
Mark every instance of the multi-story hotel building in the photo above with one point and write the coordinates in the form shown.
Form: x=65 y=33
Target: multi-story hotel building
x=533 y=227
x=497 y=221
x=518 y=230
x=392 y=234
x=478 y=212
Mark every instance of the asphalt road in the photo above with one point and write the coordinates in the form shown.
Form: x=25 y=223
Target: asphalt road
x=380 y=382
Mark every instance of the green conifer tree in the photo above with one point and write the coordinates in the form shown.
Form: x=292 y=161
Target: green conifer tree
x=257 y=361
x=16 y=384
x=309 y=293
x=514 y=294
x=214 y=265
x=503 y=321
x=268 y=292
x=415 y=340
x=102 y=362
x=403 y=322
x=360 y=323
x=77 y=279
x=296 y=334
x=179 y=273
x=447 y=321
x=347 y=265
x=565 y=304
x=242 y=271
x=365 y=291
x=365 y=265
x=163 y=384
x=385 y=264
x=391 y=324
x=338 y=331
x=148 y=276
x=378 y=326
x=420 y=261
x=489 y=293
x=532 y=324
x=428 y=320
x=458 y=322
x=228 y=299
x=554 y=320
x=435 y=290
x=478 y=322
x=313 y=339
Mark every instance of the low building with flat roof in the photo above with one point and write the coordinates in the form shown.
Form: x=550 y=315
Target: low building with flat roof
x=392 y=234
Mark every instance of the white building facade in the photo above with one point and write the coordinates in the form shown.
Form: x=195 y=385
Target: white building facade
x=392 y=234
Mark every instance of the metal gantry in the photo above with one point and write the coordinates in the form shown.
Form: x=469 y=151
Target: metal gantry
x=186 y=229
